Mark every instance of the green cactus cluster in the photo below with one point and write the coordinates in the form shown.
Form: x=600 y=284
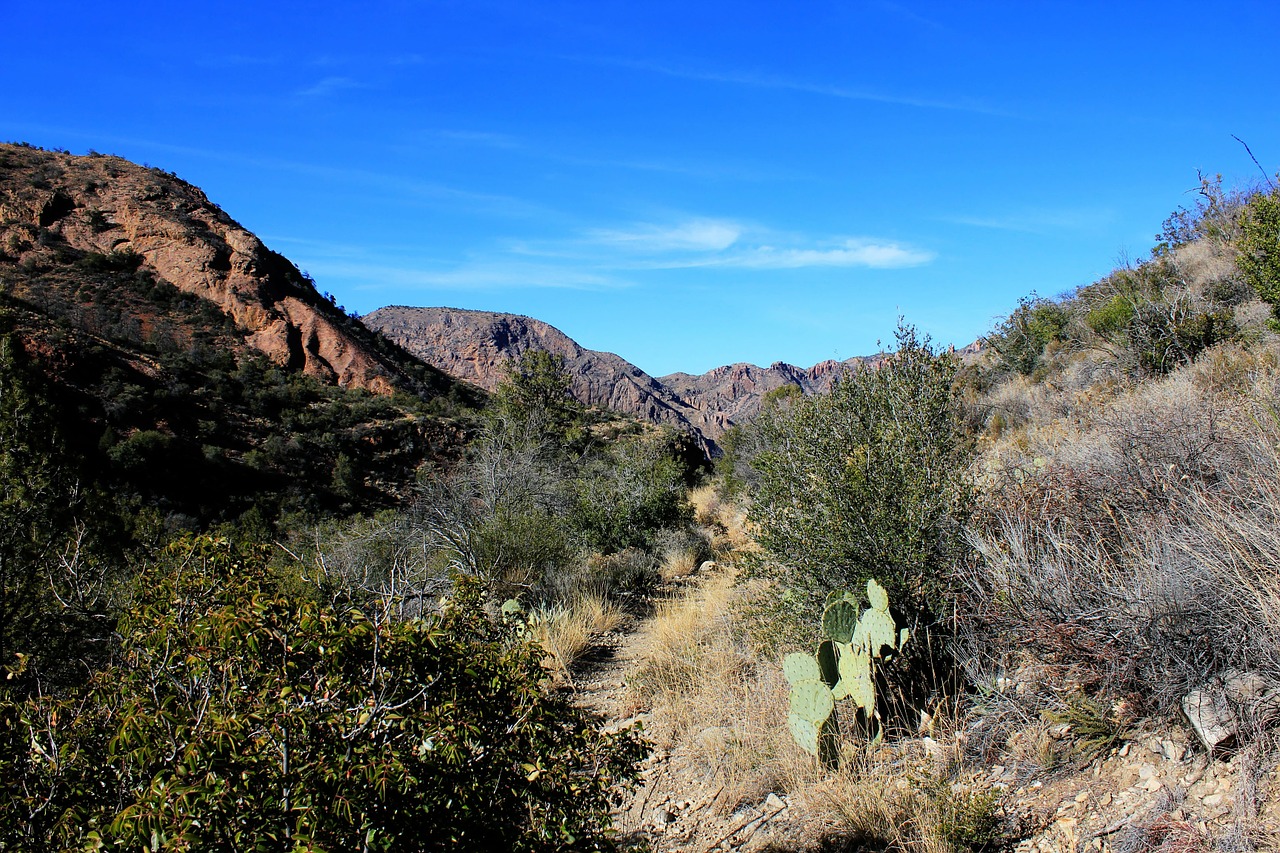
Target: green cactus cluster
x=842 y=668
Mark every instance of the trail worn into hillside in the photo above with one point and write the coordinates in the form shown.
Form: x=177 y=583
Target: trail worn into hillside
x=676 y=808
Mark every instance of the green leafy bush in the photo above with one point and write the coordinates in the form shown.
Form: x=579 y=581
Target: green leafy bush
x=1259 y=246
x=241 y=717
x=1020 y=340
x=629 y=493
x=866 y=482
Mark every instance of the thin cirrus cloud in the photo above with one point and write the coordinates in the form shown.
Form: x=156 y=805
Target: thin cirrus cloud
x=773 y=81
x=707 y=235
x=329 y=86
x=609 y=259
x=725 y=243
x=850 y=253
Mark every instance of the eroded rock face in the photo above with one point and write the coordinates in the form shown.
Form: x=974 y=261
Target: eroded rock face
x=476 y=346
x=107 y=204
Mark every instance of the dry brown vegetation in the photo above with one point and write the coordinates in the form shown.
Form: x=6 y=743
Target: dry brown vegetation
x=1123 y=551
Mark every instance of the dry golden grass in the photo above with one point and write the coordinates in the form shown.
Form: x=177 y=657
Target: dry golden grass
x=705 y=501
x=708 y=694
x=566 y=631
x=910 y=796
x=727 y=522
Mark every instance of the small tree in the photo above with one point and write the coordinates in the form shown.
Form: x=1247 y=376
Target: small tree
x=537 y=391
x=867 y=482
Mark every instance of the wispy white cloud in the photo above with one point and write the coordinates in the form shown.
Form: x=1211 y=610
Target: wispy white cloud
x=695 y=242
x=774 y=81
x=705 y=235
x=850 y=253
x=329 y=86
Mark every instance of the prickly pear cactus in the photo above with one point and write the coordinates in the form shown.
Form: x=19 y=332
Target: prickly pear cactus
x=842 y=668
x=840 y=620
x=811 y=701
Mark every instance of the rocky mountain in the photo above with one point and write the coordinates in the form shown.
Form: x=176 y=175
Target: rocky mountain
x=52 y=202
x=476 y=346
x=190 y=368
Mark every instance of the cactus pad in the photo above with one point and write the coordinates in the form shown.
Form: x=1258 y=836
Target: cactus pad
x=875 y=631
x=799 y=667
x=877 y=596
x=805 y=733
x=839 y=620
x=811 y=700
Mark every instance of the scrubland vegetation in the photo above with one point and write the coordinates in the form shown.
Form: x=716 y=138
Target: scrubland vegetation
x=1078 y=527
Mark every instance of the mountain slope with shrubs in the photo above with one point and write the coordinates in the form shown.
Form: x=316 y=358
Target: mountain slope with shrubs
x=1080 y=529
x=245 y=607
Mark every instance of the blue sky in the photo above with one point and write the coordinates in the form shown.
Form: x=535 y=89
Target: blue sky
x=685 y=184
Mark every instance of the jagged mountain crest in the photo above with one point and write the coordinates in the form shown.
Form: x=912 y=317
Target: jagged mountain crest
x=476 y=346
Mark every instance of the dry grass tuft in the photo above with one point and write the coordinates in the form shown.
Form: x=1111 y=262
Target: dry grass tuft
x=909 y=797
x=566 y=631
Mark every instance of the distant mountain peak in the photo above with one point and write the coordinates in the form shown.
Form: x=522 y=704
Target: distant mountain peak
x=476 y=346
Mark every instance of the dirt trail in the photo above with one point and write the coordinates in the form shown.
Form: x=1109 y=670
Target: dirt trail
x=676 y=808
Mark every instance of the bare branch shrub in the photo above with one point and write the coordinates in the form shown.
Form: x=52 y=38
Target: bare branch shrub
x=1140 y=557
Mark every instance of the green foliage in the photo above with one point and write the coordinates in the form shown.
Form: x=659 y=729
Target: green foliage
x=965 y=819
x=867 y=481
x=1148 y=316
x=536 y=391
x=1020 y=340
x=238 y=716
x=1091 y=727
x=1259 y=247
x=634 y=489
x=844 y=667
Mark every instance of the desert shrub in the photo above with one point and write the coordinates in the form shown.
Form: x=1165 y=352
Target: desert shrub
x=1215 y=217
x=866 y=482
x=1259 y=247
x=1020 y=340
x=1151 y=318
x=630 y=493
x=1128 y=565
x=237 y=716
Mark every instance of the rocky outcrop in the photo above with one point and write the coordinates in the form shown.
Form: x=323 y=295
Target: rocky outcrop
x=108 y=205
x=477 y=345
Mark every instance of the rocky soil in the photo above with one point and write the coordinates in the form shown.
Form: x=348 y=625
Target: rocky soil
x=1158 y=790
